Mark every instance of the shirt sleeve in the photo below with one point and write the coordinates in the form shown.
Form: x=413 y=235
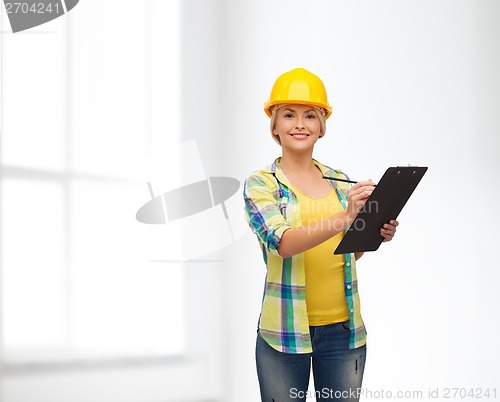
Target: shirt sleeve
x=262 y=212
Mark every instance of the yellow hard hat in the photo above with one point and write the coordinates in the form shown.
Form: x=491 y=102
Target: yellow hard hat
x=301 y=87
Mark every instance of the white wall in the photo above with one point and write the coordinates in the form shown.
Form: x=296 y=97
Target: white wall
x=411 y=82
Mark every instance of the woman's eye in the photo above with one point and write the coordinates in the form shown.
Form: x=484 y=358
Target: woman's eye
x=310 y=116
x=288 y=115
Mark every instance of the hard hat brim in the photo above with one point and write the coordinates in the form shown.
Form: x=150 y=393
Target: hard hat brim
x=268 y=107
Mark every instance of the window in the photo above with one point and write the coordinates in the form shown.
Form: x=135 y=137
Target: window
x=83 y=127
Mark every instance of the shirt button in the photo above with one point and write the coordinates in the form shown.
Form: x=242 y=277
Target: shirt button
x=348 y=264
x=348 y=286
x=352 y=310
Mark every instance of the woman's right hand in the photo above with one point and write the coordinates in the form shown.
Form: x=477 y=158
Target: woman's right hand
x=357 y=197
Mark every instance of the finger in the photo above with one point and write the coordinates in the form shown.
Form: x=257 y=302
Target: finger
x=357 y=185
x=386 y=235
x=362 y=198
x=359 y=191
x=362 y=192
x=360 y=184
x=389 y=234
x=390 y=227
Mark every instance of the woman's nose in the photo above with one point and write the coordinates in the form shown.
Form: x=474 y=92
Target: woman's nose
x=299 y=124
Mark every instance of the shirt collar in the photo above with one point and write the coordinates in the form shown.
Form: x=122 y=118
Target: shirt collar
x=275 y=169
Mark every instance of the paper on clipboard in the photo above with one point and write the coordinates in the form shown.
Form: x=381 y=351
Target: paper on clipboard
x=385 y=203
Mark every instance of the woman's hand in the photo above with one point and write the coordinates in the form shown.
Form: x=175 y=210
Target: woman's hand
x=357 y=197
x=389 y=230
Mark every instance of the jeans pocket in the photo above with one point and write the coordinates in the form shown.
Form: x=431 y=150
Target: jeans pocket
x=345 y=326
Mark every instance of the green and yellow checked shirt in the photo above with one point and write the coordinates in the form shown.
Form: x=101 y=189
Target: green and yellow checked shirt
x=271 y=207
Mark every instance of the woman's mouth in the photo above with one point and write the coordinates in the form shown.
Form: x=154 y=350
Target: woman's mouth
x=299 y=136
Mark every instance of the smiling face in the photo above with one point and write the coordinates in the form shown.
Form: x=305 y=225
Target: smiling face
x=297 y=126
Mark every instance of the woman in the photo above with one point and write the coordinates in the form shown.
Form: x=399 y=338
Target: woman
x=310 y=307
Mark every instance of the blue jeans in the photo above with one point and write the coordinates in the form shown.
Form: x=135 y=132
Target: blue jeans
x=337 y=370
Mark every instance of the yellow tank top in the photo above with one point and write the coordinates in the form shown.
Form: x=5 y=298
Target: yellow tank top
x=325 y=296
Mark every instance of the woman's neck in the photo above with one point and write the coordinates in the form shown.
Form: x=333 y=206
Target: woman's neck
x=297 y=164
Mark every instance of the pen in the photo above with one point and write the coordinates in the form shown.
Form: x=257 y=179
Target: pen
x=344 y=180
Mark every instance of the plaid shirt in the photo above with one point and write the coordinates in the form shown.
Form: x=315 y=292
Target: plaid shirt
x=271 y=207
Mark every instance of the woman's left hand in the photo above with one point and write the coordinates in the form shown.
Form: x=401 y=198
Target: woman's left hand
x=389 y=230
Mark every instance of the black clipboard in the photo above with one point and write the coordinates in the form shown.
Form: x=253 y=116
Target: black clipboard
x=385 y=203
